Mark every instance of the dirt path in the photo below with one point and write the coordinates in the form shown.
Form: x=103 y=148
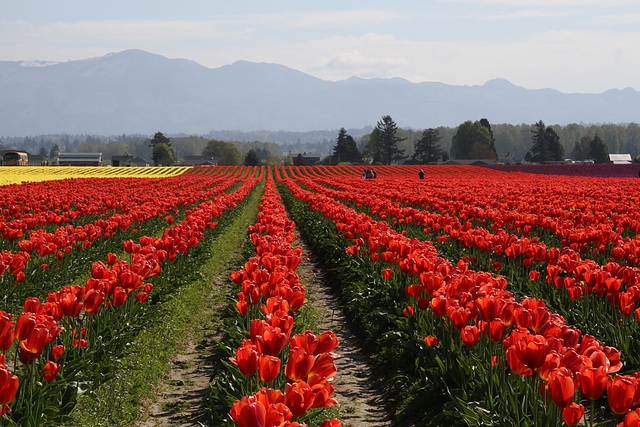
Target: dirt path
x=180 y=395
x=358 y=401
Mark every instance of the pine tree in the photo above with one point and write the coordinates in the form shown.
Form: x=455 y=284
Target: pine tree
x=427 y=148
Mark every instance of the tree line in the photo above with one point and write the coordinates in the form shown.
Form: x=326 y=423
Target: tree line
x=469 y=140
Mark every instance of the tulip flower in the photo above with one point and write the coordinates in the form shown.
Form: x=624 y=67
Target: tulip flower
x=470 y=335
x=593 y=382
x=50 y=370
x=246 y=358
x=532 y=350
x=248 y=412
x=8 y=387
x=561 y=387
x=268 y=368
x=299 y=364
x=572 y=414
x=632 y=419
x=431 y=340
x=298 y=397
x=621 y=391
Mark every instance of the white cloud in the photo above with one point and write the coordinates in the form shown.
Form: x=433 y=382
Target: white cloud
x=528 y=13
x=554 y=3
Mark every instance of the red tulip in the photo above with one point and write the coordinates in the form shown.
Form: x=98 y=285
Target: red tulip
x=248 y=412
x=299 y=364
x=246 y=358
x=632 y=419
x=50 y=370
x=269 y=367
x=387 y=273
x=57 y=351
x=298 y=397
x=593 y=382
x=93 y=301
x=8 y=386
x=470 y=335
x=621 y=391
x=431 y=340
x=532 y=350
x=561 y=387
x=572 y=414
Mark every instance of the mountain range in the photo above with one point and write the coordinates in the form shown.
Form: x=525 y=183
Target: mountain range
x=140 y=92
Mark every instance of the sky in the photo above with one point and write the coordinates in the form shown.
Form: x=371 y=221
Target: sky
x=574 y=46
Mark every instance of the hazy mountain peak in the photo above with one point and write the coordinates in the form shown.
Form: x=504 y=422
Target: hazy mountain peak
x=140 y=92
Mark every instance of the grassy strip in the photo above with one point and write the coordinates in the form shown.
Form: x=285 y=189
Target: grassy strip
x=176 y=321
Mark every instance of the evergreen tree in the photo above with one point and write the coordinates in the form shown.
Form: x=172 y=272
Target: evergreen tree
x=545 y=144
x=389 y=141
x=159 y=138
x=346 y=149
x=373 y=149
x=162 y=155
x=55 y=150
x=299 y=160
x=598 y=150
x=581 y=148
x=427 y=148
x=252 y=159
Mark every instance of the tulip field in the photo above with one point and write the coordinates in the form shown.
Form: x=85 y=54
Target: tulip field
x=482 y=296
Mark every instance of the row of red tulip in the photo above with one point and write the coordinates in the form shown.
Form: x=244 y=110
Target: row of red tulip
x=37 y=329
x=582 y=216
x=565 y=267
x=130 y=202
x=269 y=281
x=535 y=340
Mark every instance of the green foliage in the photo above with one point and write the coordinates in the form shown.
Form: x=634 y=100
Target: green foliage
x=545 y=144
x=226 y=153
x=473 y=141
x=159 y=138
x=252 y=159
x=388 y=143
x=162 y=155
x=345 y=149
x=427 y=148
x=598 y=150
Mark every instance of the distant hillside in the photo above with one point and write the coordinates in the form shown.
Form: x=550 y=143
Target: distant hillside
x=139 y=92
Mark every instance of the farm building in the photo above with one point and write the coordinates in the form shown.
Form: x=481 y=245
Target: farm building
x=200 y=161
x=620 y=159
x=80 y=159
x=128 y=160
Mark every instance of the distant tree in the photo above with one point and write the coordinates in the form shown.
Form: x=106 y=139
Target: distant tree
x=373 y=148
x=43 y=152
x=581 y=148
x=226 y=153
x=485 y=123
x=299 y=160
x=287 y=161
x=273 y=160
x=159 y=138
x=598 y=150
x=545 y=144
x=472 y=141
x=390 y=151
x=427 y=148
x=346 y=149
x=162 y=154
x=252 y=159
x=55 y=150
